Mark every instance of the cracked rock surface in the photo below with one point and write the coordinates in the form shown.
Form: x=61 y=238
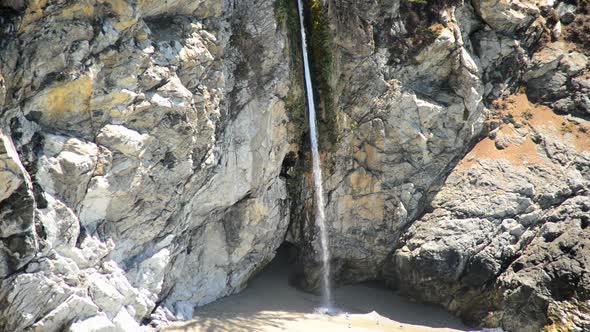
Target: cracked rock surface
x=132 y=174
x=505 y=241
x=444 y=177
x=153 y=156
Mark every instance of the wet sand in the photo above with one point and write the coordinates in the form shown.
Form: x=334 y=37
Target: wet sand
x=269 y=303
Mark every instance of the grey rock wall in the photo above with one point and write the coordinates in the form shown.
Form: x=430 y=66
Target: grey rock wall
x=405 y=114
x=141 y=149
x=412 y=85
x=142 y=146
x=504 y=241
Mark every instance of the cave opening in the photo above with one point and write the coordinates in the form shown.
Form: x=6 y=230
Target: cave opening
x=271 y=302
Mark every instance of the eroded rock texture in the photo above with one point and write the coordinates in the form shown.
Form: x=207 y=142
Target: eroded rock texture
x=403 y=122
x=410 y=85
x=506 y=240
x=141 y=149
x=153 y=155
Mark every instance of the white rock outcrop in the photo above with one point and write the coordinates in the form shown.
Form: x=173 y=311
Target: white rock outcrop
x=140 y=153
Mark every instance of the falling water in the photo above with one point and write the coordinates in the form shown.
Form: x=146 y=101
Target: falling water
x=317 y=171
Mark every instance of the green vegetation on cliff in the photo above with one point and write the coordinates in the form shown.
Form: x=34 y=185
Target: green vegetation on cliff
x=294 y=165
x=322 y=64
x=288 y=17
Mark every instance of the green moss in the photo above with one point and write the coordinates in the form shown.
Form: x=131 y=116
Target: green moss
x=354 y=125
x=295 y=105
x=294 y=165
x=322 y=64
x=288 y=18
x=428 y=33
x=527 y=114
x=296 y=176
x=281 y=11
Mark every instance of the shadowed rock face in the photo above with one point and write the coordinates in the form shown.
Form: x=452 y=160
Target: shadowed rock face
x=14 y=4
x=142 y=148
x=18 y=232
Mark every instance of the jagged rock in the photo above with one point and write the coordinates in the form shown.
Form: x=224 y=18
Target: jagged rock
x=143 y=156
x=14 y=4
x=566 y=12
x=60 y=225
x=200 y=8
x=66 y=167
x=18 y=238
x=506 y=17
x=151 y=130
x=554 y=77
x=2 y=90
x=400 y=127
x=397 y=121
x=98 y=323
x=487 y=250
x=72 y=308
x=227 y=252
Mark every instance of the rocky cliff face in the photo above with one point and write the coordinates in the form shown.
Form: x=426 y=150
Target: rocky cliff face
x=504 y=242
x=141 y=149
x=413 y=85
x=403 y=116
x=153 y=155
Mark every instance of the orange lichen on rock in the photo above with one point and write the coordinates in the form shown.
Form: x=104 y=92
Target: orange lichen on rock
x=543 y=120
x=522 y=154
x=534 y=119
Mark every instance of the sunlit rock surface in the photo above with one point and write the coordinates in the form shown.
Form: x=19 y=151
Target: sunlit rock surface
x=506 y=239
x=140 y=159
x=153 y=156
x=415 y=200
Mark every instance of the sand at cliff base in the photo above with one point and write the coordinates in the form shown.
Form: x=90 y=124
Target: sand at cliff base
x=270 y=304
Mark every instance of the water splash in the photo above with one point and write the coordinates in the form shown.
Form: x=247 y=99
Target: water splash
x=317 y=171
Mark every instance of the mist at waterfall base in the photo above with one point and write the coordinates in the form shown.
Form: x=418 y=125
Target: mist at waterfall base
x=320 y=220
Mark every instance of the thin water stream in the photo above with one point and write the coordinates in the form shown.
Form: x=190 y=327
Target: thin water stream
x=320 y=219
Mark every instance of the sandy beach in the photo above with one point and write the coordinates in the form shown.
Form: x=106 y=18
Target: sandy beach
x=270 y=304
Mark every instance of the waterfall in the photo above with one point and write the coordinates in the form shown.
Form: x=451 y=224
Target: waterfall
x=317 y=171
